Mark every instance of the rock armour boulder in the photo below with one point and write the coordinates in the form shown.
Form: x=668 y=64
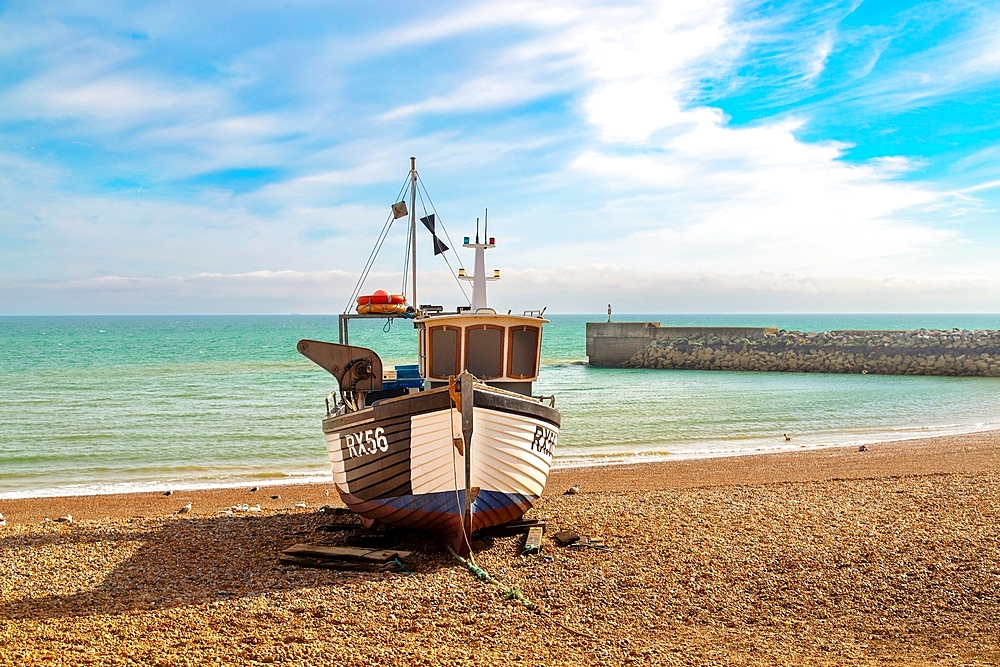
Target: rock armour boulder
x=919 y=352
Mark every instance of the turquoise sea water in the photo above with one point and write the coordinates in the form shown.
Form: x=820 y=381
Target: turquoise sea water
x=102 y=404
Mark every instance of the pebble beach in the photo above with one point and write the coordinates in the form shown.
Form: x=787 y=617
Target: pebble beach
x=821 y=557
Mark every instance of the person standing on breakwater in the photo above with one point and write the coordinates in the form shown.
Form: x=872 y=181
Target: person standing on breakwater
x=609 y=312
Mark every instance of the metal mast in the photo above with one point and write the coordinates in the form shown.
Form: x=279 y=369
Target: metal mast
x=413 y=225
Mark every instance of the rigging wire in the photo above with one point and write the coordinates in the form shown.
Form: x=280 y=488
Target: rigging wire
x=444 y=256
x=406 y=258
x=454 y=249
x=411 y=222
x=371 y=260
x=374 y=253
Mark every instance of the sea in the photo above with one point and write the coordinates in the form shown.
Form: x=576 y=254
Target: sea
x=111 y=404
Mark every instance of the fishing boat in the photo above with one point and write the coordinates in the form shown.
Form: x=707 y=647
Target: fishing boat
x=457 y=442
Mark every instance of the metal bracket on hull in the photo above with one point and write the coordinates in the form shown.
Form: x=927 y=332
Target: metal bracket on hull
x=357 y=369
x=455 y=393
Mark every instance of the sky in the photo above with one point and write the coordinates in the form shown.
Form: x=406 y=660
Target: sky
x=714 y=156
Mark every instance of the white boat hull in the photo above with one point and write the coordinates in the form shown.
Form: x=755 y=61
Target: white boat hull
x=402 y=462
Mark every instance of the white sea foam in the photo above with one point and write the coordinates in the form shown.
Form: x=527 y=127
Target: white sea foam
x=156 y=486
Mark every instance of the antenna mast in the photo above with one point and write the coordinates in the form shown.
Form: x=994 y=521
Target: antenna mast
x=413 y=224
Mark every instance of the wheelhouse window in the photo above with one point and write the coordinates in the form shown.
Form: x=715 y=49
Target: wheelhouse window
x=523 y=354
x=443 y=349
x=484 y=351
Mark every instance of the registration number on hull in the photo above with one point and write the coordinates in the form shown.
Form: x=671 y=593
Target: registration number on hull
x=544 y=440
x=364 y=443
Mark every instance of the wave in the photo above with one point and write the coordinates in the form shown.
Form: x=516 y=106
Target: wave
x=720 y=449
x=160 y=486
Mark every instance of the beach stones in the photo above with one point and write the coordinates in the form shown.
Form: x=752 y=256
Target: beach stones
x=566 y=537
x=742 y=570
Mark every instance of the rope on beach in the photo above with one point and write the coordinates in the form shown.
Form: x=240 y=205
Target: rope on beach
x=402 y=566
x=510 y=592
x=514 y=593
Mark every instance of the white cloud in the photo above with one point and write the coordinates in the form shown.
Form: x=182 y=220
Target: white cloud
x=637 y=168
x=484 y=92
x=817 y=63
x=85 y=78
x=113 y=98
x=969 y=60
x=587 y=288
x=757 y=197
x=478 y=17
x=634 y=60
x=988 y=185
x=678 y=185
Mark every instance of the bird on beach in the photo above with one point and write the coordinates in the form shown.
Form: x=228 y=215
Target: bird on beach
x=787 y=439
x=185 y=509
x=168 y=493
x=3 y=522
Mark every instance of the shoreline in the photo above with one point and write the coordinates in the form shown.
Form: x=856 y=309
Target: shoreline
x=944 y=454
x=637 y=459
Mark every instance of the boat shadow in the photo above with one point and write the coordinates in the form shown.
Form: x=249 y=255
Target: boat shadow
x=176 y=562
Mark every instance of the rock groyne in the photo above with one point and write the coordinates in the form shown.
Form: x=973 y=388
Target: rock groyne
x=919 y=352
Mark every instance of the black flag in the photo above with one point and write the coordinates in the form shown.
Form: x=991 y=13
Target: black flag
x=439 y=246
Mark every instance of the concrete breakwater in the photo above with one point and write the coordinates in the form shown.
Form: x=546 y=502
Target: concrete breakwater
x=921 y=352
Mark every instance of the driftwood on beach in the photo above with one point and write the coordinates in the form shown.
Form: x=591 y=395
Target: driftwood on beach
x=345 y=558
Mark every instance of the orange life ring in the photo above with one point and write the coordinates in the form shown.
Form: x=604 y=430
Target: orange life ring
x=381 y=308
x=381 y=297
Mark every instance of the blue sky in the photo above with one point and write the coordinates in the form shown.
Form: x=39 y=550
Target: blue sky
x=723 y=157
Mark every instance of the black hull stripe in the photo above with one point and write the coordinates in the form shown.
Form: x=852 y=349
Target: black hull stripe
x=391 y=409
x=438 y=399
x=398 y=437
x=516 y=405
x=387 y=487
x=380 y=467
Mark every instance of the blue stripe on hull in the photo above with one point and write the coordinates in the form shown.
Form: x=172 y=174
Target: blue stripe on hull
x=452 y=502
x=442 y=512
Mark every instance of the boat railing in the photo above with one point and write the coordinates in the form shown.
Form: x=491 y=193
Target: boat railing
x=344 y=322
